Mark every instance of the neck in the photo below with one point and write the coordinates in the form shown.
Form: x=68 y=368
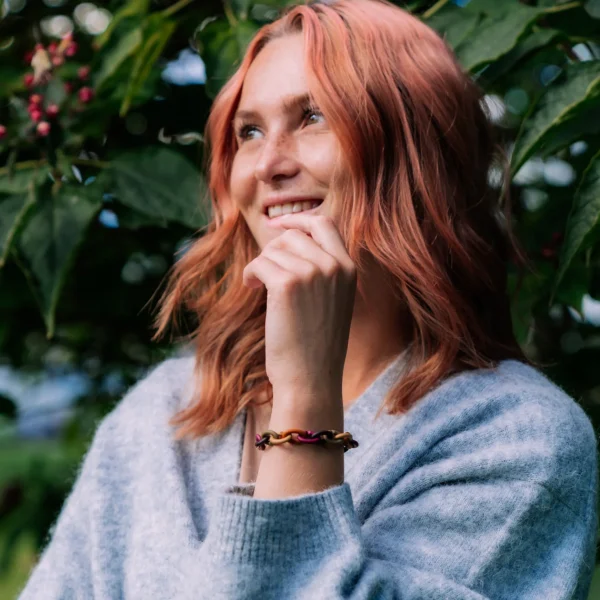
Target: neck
x=377 y=336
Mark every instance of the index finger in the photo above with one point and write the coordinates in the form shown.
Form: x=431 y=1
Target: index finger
x=322 y=229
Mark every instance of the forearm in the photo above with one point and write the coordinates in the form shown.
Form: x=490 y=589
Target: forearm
x=291 y=470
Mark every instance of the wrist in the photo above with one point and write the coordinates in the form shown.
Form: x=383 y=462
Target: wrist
x=307 y=411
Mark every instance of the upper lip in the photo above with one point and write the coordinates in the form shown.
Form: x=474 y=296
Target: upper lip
x=273 y=200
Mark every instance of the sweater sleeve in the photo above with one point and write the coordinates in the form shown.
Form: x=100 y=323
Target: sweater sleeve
x=466 y=522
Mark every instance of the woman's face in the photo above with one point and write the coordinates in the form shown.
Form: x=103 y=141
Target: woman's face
x=286 y=150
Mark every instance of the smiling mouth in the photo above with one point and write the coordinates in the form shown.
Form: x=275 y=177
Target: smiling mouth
x=273 y=212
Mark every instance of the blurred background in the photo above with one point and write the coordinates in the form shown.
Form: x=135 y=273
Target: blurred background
x=102 y=110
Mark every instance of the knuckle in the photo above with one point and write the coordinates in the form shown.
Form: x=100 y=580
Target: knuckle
x=331 y=268
x=312 y=273
x=288 y=285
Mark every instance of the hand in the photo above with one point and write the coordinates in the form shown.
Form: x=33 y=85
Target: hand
x=311 y=285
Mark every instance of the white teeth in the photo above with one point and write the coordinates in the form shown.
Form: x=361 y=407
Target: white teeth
x=293 y=207
x=286 y=209
x=275 y=211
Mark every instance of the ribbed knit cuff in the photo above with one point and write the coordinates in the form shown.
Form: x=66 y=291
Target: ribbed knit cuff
x=264 y=532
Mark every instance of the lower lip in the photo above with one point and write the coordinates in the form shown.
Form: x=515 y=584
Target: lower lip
x=275 y=220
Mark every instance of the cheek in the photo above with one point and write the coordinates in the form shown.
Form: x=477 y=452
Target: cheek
x=241 y=183
x=320 y=155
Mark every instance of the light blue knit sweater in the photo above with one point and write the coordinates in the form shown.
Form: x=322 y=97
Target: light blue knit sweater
x=486 y=488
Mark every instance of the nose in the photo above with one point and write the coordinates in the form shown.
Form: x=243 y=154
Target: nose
x=277 y=160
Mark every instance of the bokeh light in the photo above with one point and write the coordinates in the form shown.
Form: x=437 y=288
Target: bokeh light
x=578 y=148
x=495 y=107
x=57 y=26
x=13 y=6
x=593 y=8
x=548 y=73
x=558 y=172
x=516 y=100
x=533 y=198
x=91 y=18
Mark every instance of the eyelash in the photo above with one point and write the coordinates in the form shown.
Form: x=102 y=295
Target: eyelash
x=242 y=130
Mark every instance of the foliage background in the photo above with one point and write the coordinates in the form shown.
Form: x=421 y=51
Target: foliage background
x=95 y=210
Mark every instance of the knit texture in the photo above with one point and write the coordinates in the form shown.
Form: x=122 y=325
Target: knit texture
x=486 y=488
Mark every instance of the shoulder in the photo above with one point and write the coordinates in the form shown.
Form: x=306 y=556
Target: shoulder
x=511 y=422
x=144 y=411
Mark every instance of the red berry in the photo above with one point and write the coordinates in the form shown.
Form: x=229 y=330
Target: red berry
x=28 y=80
x=2 y=131
x=72 y=49
x=43 y=128
x=27 y=57
x=52 y=47
x=52 y=110
x=35 y=99
x=36 y=115
x=86 y=94
x=57 y=60
x=548 y=252
x=83 y=72
x=68 y=87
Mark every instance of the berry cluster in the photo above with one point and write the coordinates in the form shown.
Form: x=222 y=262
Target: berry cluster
x=44 y=60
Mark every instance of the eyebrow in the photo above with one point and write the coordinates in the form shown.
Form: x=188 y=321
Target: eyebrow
x=289 y=103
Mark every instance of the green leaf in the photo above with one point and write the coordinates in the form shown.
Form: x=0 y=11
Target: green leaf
x=132 y=8
x=584 y=218
x=222 y=47
x=496 y=34
x=557 y=112
x=19 y=180
x=11 y=80
x=524 y=303
x=114 y=58
x=133 y=219
x=453 y=23
x=532 y=42
x=14 y=209
x=160 y=183
x=55 y=92
x=241 y=8
x=573 y=287
x=48 y=242
x=157 y=34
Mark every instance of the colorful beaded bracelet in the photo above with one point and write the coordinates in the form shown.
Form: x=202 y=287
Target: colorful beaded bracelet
x=305 y=436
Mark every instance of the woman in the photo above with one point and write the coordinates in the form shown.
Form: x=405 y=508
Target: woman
x=379 y=312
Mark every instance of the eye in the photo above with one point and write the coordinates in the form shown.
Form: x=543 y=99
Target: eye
x=311 y=110
x=245 y=128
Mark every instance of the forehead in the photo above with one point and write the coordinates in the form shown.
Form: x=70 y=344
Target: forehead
x=277 y=73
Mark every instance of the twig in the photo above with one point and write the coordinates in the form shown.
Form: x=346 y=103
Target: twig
x=171 y=10
x=437 y=6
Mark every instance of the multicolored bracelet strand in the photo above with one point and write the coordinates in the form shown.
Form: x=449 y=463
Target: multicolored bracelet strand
x=305 y=436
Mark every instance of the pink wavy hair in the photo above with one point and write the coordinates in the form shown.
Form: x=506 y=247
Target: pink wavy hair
x=417 y=146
